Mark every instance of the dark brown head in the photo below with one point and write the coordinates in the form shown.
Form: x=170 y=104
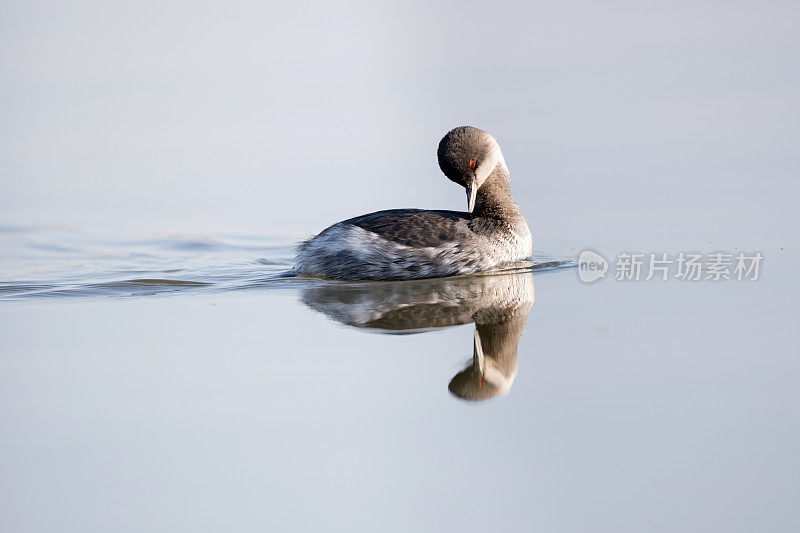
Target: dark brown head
x=468 y=156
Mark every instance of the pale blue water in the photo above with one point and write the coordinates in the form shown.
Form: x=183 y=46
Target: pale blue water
x=165 y=382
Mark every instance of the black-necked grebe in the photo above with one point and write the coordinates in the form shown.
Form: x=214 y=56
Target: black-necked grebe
x=413 y=243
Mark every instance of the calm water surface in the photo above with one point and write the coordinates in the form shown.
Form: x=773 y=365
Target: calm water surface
x=185 y=382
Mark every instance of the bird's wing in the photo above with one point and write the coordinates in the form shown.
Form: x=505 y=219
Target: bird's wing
x=415 y=227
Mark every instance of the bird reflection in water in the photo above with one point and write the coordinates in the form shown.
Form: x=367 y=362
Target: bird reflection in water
x=498 y=305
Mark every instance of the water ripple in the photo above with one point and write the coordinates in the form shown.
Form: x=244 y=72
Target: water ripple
x=55 y=262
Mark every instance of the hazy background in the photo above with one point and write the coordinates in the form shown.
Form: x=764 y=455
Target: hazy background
x=636 y=123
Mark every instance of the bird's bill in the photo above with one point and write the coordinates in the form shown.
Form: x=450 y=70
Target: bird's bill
x=472 y=192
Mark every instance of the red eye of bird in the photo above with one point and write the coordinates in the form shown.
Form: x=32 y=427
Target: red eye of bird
x=471 y=163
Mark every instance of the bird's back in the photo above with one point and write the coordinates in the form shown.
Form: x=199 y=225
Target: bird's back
x=417 y=228
x=402 y=244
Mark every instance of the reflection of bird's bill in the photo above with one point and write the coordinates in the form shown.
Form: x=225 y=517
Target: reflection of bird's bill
x=478 y=358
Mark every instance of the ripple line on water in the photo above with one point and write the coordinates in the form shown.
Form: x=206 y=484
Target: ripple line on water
x=70 y=264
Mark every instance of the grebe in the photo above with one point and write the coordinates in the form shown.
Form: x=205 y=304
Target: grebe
x=401 y=244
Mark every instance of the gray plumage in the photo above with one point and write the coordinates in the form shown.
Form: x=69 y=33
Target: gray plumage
x=412 y=243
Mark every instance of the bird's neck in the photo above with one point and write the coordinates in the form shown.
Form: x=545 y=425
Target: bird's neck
x=494 y=198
